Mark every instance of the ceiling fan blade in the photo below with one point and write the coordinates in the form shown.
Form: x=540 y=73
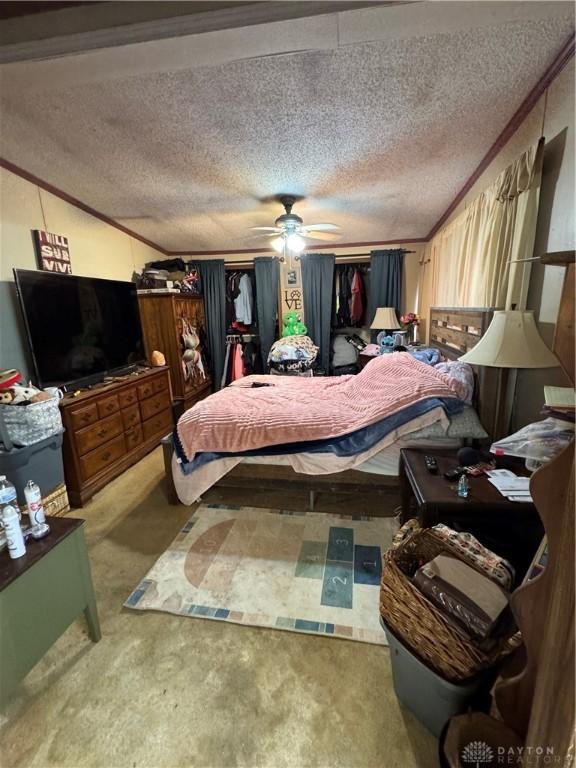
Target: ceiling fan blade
x=271 y=230
x=326 y=236
x=320 y=227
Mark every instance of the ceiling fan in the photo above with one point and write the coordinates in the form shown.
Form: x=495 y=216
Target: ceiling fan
x=290 y=233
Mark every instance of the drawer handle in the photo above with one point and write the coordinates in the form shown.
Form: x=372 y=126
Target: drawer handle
x=110 y=406
x=106 y=456
x=103 y=433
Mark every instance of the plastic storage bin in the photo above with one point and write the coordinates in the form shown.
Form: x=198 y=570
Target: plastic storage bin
x=428 y=696
x=41 y=462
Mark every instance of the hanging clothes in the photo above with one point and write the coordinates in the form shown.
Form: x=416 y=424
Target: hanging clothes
x=358 y=299
x=243 y=303
x=238 y=363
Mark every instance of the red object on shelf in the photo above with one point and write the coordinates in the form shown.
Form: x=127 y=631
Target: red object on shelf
x=9 y=377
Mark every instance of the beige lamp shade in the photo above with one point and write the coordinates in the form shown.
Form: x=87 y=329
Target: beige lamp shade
x=511 y=341
x=385 y=319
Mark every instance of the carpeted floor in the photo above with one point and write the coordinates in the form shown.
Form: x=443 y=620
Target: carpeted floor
x=162 y=690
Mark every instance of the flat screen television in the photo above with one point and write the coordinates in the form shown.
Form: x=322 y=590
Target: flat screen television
x=80 y=329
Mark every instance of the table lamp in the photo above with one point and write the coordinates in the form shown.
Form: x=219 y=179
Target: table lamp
x=385 y=319
x=512 y=340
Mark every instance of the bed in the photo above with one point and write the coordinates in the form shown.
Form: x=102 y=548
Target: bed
x=452 y=331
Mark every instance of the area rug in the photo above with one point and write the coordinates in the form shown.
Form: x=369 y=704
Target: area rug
x=300 y=571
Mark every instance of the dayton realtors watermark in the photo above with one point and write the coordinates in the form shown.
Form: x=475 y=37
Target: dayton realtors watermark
x=479 y=754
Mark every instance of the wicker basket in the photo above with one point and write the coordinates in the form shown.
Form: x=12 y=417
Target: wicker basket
x=419 y=623
x=56 y=503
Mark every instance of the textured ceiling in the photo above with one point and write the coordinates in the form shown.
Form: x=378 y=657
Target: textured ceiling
x=379 y=136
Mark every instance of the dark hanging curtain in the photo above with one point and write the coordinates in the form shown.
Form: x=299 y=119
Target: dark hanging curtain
x=385 y=281
x=213 y=278
x=266 y=273
x=317 y=290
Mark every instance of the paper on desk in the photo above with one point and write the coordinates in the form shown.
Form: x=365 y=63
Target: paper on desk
x=510 y=485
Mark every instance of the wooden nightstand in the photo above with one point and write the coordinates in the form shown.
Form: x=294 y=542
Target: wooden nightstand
x=512 y=530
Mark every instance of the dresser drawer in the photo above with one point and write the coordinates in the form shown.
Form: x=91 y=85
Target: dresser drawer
x=130 y=416
x=91 y=437
x=102 y=457
x=84 y=416
x=108 y=405
x=154 y=405
x=145 y=390
x=160 y=384
x=133 y=437
x=128 y=397
x=162 y=423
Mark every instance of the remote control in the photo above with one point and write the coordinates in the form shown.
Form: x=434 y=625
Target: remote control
x=431 y=464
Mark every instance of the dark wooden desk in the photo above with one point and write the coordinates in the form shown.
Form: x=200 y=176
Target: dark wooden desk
x=511 y=529
x=41 y=593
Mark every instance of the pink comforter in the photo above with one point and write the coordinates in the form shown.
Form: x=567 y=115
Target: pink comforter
x=241 y=418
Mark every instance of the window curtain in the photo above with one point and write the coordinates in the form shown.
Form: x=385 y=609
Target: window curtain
x=385 y=281
x=213 y=277
x=469 y=258
x=317 y=290
x=266 y=274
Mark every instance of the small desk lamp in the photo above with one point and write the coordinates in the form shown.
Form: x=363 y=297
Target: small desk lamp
x=511 y=341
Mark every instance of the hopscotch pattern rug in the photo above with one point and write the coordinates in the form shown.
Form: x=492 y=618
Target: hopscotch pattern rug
x=304 y=572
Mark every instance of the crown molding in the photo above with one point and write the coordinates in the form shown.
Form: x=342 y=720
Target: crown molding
x=560 y=61
x=323 y=247
x=15 y=169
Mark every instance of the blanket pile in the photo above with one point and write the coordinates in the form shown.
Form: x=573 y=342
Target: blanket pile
x=292 y=409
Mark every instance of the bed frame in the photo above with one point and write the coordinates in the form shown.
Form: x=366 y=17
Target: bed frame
x=454 y=332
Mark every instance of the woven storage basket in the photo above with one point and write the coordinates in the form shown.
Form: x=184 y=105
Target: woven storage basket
x=419 y=623
x=56 y=504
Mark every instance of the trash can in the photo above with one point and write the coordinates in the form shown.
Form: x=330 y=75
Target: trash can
x=431 y=698
x=41 y=462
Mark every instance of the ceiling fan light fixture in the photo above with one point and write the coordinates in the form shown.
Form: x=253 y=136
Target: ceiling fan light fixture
x=295 y=243
x=278 y=244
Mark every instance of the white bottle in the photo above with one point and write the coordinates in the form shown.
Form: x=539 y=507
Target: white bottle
x=7 y=494
x=36 y=510
x=14 y=537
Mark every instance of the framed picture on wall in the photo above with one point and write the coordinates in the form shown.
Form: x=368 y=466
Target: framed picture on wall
x=291 y=277
x=52 y=252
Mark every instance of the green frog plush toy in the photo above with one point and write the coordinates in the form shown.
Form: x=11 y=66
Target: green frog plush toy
x=293 y=325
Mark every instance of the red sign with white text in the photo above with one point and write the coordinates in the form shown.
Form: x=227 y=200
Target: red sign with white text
x=52 y=252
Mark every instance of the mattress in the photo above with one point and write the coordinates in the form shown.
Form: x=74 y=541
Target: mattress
x=384 y=462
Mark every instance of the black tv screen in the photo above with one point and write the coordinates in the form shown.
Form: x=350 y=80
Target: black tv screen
x=79 y=328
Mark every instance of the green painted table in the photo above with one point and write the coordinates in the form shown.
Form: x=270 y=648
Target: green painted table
x=41 y=594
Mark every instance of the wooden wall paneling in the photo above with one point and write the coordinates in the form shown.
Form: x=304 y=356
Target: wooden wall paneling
x=563 y=345
x=538 y=703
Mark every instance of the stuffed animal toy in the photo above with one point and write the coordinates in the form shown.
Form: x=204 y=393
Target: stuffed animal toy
x=21 y=395
x=293 y=325
x=6 y=396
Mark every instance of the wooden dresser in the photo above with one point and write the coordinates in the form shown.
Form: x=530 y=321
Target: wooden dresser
x=112 y=426
x=167 y=319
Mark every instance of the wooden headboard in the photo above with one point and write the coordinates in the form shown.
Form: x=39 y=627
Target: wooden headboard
x=455 y=331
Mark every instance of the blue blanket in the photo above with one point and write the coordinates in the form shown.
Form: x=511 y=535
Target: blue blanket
x=345 y=445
